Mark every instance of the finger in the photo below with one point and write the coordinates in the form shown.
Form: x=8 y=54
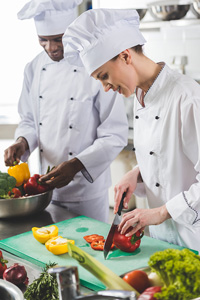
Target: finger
x=136 y=227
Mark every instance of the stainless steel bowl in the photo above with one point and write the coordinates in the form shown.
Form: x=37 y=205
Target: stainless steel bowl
x=9 y=291
x=166 y=11
x=195 y=8
x=141 y=12
x=18 y=207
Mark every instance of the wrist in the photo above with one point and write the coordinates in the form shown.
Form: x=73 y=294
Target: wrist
x=23 y=141
x=77 y=165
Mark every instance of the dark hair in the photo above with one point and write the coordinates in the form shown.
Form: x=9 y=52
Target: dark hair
x=137 y=49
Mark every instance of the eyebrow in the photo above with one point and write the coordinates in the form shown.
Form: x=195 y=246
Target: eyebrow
x=98 y=75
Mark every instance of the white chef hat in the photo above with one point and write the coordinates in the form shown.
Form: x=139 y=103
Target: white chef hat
x=98 y=35
x=51 y=16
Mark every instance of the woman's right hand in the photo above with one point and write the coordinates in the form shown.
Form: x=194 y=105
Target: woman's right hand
x=127 y=184
x=15 y=151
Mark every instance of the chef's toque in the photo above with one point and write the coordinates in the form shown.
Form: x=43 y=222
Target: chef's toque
x=51 y=16
x=98 y=35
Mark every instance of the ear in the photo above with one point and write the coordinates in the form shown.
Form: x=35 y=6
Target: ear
x=126 y=56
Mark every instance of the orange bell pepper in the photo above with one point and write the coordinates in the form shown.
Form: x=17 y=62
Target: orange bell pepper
x=58 y=245
x=20 y=172
x=43 y=234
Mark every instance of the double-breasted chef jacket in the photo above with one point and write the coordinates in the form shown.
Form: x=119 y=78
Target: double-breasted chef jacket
x=67 y=114
x=167 y=147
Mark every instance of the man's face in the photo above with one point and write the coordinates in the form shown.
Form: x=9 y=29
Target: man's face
x=53 y=46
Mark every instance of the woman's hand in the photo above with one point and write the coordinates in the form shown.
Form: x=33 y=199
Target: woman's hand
x=139 y=218
x=15 y=151
x=63 y=174
x=127 y=184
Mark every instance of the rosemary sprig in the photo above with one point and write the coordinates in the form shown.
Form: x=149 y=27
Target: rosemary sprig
x=43 y=288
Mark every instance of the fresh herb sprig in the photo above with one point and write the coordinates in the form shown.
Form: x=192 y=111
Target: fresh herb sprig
x=44 y=287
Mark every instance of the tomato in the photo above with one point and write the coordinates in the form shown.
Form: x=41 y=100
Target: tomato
x=127 y=244
x=138 y=279
x=93 y=238
x=15 y=193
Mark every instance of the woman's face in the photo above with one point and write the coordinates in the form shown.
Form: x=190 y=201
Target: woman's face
x=118 y=75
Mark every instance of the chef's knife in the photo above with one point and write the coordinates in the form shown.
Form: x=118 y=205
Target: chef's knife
x=116 y=221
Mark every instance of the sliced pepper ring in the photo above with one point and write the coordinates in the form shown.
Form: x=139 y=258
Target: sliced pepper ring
x=99 y=245
x=93 y=238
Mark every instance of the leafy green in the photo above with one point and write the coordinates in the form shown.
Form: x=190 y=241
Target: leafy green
x=43 y=288
x=180 y=272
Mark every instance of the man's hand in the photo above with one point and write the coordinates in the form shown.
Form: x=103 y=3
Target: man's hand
x=127 y=184
x=15 y=151
x=63 y=174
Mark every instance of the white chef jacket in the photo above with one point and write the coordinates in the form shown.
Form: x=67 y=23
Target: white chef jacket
x=167 y=145
x=67 y=114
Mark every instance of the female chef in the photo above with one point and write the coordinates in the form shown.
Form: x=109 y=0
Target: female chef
x=166 y=123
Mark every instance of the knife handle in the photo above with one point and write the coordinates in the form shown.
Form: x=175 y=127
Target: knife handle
x=121 y=204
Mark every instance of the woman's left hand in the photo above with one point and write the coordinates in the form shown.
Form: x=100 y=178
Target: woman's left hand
x=139 y=218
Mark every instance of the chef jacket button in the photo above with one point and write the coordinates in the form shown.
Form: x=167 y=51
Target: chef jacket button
x=43 y=69
x=151 y=152
x=137 y=117
x=40 y=123
x=40 y=97
x=157 y=184
x=70 y=127
x=133 y=149
x=70 y=153
x=157 y=117
x=41 y=150
x=71 y=98
x=75 y=70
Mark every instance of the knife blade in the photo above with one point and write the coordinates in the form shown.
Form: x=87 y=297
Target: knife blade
x=116 y=221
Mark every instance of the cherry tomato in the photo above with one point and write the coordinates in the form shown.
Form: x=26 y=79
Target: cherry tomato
x=138 y=279
x=15 y=193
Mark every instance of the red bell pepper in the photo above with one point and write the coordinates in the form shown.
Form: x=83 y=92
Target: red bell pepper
x=34 y=186
x=93 y=238
x=15 y=193
x=149 y=293
x=127 y=244
x=99 y=245
x=3 y=265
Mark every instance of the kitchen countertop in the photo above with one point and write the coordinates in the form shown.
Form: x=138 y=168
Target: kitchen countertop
x=52 y=214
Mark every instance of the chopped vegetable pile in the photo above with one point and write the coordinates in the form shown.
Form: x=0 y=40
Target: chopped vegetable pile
x=180 y=273
x=7 y=183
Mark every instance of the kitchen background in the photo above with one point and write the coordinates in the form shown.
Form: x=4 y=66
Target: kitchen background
x=176 y=41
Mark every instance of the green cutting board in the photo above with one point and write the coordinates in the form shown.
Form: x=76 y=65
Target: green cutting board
x=25 y=246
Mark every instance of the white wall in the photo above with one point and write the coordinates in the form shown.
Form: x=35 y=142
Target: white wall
x=19 y=44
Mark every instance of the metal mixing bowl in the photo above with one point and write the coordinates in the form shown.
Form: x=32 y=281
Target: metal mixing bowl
x=18 y=207
x=168 y=10
x=195 y=8
x=9 y=291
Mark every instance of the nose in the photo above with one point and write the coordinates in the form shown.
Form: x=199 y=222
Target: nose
x=51 y=46
x=106 y=86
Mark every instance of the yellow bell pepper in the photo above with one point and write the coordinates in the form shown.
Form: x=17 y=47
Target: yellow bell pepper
x=58 y=245
x=43 y=234
x=20 y=172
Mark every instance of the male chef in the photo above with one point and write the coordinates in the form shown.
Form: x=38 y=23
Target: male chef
x=77 y=127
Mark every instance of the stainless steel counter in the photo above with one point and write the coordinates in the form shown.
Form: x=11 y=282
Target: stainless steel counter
x=52 y=214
